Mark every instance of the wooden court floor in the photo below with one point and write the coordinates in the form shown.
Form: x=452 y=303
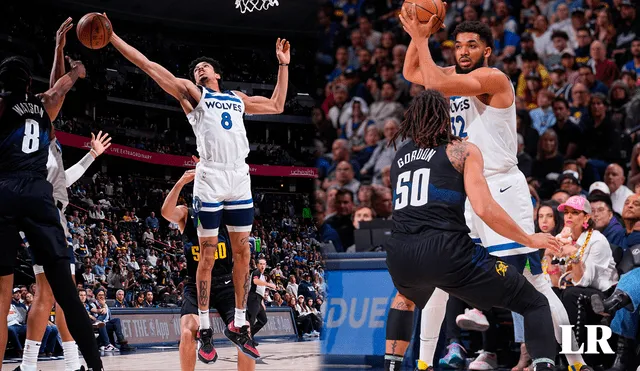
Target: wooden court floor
x=275 y=356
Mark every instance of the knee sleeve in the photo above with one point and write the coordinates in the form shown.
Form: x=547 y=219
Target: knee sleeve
x=399 y=325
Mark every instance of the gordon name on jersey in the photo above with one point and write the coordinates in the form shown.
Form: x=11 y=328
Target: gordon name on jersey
x=218 y=125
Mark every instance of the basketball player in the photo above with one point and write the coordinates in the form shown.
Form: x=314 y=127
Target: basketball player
x=430 y=245
x=222 y=183
x=482 y=103
x=60 y=179
x=27 y=197
x=255 y=307
x=223 y=296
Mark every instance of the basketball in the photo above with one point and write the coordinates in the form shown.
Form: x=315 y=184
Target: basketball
x=426 y=8
x=94 y=31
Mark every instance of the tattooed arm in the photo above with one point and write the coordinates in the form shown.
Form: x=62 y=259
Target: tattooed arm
x=467 y=159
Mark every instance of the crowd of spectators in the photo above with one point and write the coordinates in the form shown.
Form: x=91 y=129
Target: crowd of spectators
x=574 y=66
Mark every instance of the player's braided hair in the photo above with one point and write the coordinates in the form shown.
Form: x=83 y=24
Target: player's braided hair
x=15 y=74
x=427 y=121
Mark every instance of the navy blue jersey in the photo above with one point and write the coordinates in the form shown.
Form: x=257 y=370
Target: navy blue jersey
x=224 y=258
x=25 y=128
x=428 y=191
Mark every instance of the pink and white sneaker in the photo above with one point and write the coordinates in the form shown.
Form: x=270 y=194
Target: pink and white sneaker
x=472 y=319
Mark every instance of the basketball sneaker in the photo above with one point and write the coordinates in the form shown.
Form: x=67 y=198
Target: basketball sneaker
x=422 y=366
x=473 y=320
x=206 y=351
x=455 y=357
x=485 y=361
x=241 y=338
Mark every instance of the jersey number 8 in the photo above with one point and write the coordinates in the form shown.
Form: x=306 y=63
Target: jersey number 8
x=226 y=120
x=31 y=140
x=412 y=188
x=221 y=252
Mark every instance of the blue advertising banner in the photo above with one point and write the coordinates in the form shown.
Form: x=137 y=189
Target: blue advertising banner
x=360 y=292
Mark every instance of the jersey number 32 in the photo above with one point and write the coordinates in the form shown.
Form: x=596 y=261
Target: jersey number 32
x=412 y=189
x=221 y=252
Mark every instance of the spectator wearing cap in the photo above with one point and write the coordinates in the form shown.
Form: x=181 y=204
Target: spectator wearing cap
x=305 y=288
x=568 y=61
x=386 y=107
x=505 y=42
x=570 y=183
x=601 y=140
x=531 y=63
x=560 y=41
x=355 y=87
x=588 y=78
x=542 y=118
x=17 y=319
x=615 y=180
x=602 y=214
x=606 y=69
x=560 y=87
x=628 y=25
x=534 y=86
x=634 y=63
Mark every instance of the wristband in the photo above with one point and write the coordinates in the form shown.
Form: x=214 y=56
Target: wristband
x=95 y=154
x=284 y=64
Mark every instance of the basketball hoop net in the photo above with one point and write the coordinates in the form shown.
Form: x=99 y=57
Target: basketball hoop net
x=257 y=5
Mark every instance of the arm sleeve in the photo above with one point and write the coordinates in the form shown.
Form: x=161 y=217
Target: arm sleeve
x=75 y=172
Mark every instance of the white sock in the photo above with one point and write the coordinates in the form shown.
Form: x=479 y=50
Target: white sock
x=71 y=357
x=432 y=317
x=204 y=319
x=30 y=355
x=240 y=318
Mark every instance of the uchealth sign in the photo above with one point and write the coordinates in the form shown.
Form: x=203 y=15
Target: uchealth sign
x=77 y=141
x=162 y=326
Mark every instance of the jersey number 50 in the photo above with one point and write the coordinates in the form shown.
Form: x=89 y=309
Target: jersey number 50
x=221 y=252
x=412 y=188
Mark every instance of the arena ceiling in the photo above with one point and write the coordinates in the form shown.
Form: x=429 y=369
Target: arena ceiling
x=290 y=16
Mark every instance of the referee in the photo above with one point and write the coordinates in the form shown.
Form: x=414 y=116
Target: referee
x=255 y=305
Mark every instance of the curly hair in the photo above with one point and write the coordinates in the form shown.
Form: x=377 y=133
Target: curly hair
x=217 y=67
x=427 y=121
x=477 y=27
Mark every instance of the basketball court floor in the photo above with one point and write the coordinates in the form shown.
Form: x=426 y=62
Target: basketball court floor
x=304 y=355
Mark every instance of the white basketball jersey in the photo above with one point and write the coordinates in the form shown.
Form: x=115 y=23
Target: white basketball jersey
x=493 y=130
x=218 y=125
x=56 y=175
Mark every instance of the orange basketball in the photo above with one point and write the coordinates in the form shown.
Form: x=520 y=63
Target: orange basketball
x=94 y=31
x=426 y=8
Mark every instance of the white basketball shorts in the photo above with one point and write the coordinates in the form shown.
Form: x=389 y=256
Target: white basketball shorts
x=222 y=192
x=511 y=191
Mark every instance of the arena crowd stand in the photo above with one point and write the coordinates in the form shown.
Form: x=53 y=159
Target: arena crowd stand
x=574 y=67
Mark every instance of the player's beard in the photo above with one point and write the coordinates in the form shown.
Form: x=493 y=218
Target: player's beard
x=478 y=64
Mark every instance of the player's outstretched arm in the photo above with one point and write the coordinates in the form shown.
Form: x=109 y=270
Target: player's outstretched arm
x=98 y=146
x=469 y=157
x=268 y=106
x=53 y=98
x=258 y=282
x=170 y=209
x=57 y=71
x=185 y=91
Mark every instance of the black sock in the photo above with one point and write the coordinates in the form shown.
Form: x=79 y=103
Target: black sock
x=64 y=290
x=392 y=362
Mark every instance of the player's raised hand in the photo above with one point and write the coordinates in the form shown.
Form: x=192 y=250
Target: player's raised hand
x=544 y=241
x=411 y=23
x=111 y=23
x=188 y=176
x=61 y=34
x=77 y=66
x=283 y=51
x=100 y=143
